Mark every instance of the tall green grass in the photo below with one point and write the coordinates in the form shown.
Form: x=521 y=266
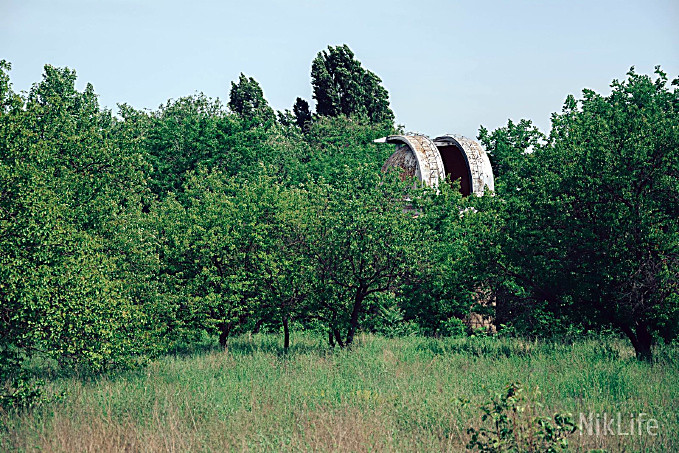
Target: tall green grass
x=384 y=394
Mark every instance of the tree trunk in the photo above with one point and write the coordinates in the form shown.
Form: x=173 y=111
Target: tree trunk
x=223 y=333
x=641 y=339
x=353 y=322
x=331 y=338
x=338 y=337
x=286 y=333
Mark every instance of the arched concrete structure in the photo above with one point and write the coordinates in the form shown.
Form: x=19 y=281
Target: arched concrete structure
x=418 y=156
x=479 y=172
x=432 y=160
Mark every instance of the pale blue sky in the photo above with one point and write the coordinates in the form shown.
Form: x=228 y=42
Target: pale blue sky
x=449 y=66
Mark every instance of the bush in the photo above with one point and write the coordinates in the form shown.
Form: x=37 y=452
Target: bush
x=511 y=423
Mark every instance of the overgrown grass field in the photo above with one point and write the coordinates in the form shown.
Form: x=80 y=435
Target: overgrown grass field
x=391 y=394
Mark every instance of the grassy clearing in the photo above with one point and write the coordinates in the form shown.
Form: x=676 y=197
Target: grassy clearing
x=385 y=394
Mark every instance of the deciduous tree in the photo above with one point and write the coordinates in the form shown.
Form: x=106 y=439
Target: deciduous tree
x=361 y=243
x=590 y=231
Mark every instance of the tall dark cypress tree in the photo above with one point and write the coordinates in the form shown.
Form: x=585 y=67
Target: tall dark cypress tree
x=343 y=87
x=302 y=113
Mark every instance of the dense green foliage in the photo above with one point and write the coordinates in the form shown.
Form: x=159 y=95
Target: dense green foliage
x=589 y=218
x=124 y=235
x=246 y=99
x=343 y=87
x=77 y=255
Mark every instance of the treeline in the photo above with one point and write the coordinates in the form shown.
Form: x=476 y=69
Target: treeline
x=122 y=236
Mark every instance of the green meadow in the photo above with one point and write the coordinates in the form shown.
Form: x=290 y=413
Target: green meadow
x=385 y=394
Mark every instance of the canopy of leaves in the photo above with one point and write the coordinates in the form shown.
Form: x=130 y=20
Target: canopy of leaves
x=341 y=86
x=246 y=99
x=76 y=265
x=590 y=230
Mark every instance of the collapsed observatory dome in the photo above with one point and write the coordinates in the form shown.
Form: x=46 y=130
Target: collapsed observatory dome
x=431 y=161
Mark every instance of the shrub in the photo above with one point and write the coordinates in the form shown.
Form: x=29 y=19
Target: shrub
x=511 y=422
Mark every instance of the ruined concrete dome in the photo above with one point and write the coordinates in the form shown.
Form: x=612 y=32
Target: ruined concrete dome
x=432 y=160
